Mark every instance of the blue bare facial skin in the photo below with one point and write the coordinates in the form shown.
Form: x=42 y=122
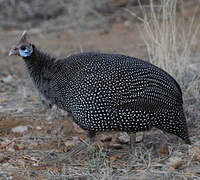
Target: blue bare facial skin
x=25 y=52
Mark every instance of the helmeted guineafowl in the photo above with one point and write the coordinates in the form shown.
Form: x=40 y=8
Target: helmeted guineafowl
x=107 y=92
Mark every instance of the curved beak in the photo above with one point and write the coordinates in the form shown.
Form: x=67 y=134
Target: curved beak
x=13 y=52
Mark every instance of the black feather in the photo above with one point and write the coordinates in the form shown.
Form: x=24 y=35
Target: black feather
x=107 y=92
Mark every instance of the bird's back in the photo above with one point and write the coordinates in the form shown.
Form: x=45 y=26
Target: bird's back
x=117 y=92
x=124 y=80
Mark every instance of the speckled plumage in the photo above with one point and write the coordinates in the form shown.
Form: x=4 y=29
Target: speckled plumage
x=107 y=92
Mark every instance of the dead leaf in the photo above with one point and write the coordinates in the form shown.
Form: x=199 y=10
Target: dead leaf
x=196 y=153
x=3 y=158
x=53 y=170
x=105 y=138
x=32 y=98
x=164 y=149
x=69 y=144
x=171 y=168
x=15 y=77
x=115 y=146
x=33 y=145
x=70 y=172
x=10 y=149
x=112 y=158
x=4 y=144
x=178 y=164
x=98 y=145
x=3 y=100
x=189 y=172
x=118 y=3
x=19 y=147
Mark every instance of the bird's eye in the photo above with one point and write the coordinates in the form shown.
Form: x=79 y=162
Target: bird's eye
x=23 y=48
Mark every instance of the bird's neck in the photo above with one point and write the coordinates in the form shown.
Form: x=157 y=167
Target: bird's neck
x=37 y=64
x=37 y=60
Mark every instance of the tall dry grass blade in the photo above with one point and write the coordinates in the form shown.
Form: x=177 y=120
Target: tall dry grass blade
x=169 y=42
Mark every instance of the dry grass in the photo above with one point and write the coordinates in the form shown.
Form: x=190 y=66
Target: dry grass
x=171 y=46
x=167 y=48
x=22 y=14
x=146 y=167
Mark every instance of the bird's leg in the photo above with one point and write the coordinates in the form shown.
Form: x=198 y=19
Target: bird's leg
x=90 y=142
x=132 y=143
x=91 y=135
x=143 y=136
x=132 y=149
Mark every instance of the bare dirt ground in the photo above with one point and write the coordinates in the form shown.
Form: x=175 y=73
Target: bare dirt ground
x=30 y=133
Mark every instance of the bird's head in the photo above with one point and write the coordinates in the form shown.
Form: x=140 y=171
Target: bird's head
x=23 y=47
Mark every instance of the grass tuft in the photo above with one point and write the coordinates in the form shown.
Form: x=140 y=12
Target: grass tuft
x=170 y=44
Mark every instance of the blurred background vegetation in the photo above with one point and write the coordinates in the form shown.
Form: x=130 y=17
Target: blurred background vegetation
x=27 y=14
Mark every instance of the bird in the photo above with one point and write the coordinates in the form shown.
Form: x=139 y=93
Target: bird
x=107 y=92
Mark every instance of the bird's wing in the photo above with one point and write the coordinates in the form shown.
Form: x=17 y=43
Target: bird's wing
x=148 y=89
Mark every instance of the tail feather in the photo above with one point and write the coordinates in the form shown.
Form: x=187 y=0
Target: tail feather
x=172 y=121
x=185 y=135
